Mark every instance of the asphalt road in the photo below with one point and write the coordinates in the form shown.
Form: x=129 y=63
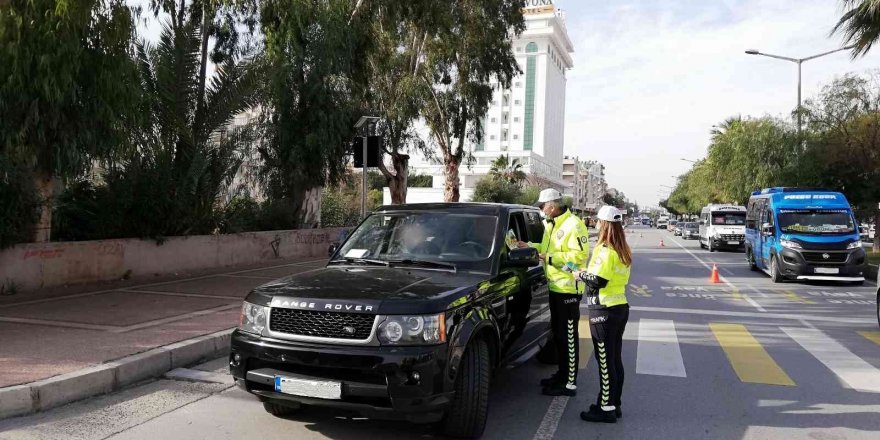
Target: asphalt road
x=743 y=359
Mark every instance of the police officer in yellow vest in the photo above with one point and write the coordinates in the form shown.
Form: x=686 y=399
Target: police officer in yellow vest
x=606 y=278
x=563 y=249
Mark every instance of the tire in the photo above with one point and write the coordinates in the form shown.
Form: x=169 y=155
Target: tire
x=702 y=246
x=709 y=245
x=775 y=276
x=470 y=407
x=750 y=257
x=878 y=307
x=279 y=410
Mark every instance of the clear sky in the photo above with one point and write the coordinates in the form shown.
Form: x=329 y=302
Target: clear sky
x=651 y=77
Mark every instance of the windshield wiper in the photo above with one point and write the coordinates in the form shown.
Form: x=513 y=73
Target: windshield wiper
x=370 y=261
x=425 y=263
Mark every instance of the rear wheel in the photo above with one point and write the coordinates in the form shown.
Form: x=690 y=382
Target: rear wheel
x=470 y=406
x=775 y=275
x=280 y=410
x=750 y=257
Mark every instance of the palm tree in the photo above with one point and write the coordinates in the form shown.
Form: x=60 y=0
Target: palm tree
x=183 y=135
x=507 y=169
x=860 y=24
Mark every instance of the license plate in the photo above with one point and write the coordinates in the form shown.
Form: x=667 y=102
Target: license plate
x=827 y=270
x=733 y=243
x=321 y=389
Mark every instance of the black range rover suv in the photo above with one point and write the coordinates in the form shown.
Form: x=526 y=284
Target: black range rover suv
x=407 y=321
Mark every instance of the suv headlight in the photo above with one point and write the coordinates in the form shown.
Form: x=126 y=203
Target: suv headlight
x=253 y=318
x=789 y=244
x=412 y=329
x=854 y=245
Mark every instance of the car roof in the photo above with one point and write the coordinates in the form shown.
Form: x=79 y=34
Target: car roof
x=486 y=208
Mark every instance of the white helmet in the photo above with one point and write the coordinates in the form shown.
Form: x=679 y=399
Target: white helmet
x=610 y=214
x=548 y=195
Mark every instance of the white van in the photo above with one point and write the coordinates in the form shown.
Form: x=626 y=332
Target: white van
x=722 y=226
x=663 y=222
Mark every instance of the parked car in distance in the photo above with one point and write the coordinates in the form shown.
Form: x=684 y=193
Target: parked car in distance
x=690 y=230
x=407 y=321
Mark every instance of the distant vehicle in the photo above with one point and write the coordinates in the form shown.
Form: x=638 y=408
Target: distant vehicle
x=804 y=234
x=675 y=227
x=663 y=222
x=722 y=226
x=690 y=230
x=646 y=222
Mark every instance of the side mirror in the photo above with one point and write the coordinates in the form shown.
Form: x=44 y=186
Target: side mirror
x=767 y=229
x=522 y=257
x=332 y=249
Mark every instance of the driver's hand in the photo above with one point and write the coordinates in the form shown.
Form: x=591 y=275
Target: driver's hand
x=522 y=244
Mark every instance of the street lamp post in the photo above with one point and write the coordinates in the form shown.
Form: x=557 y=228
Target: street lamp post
x=799 y=62
x=688 y=160
x=363 y=123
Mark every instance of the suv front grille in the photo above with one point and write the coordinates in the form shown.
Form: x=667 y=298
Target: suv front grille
x=321 y=324
x=833 y=257
x=733 y=237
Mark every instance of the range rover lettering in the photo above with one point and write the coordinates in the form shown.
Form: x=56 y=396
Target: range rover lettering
x=406 y=321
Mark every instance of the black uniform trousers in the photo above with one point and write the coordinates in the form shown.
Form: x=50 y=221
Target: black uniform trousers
x=565 y=313
x=607 y=325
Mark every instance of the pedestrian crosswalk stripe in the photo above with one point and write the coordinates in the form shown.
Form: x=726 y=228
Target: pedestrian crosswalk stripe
x=585 y=343
x=851 y=369
x=749 y=359
x=658 y=350
x=872 y=336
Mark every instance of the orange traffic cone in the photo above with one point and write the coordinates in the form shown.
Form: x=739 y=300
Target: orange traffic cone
x=714 y=279
x=661 y=243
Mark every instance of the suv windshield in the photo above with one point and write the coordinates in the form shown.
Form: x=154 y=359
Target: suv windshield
x=692 y=226
x=729 y=218
x=815 y=221
x=433 y=236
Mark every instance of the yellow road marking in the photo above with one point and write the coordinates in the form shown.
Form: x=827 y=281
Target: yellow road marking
x=749 y=359
x=872 y=336
x=585 y=342
x=735 y=293
x=794 y=297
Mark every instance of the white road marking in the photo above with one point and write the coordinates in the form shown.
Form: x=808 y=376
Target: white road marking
x=841 y=320
x=658 y=350
x=724 y=280
x=851 y=369
x=548 y=426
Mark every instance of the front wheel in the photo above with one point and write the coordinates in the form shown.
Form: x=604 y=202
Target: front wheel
x=702 y=246
x=280 y=410
x=470 y=406
x=775 y=275
x=709 y=244
x=878 y=306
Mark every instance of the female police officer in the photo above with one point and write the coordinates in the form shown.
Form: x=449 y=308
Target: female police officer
x=606 y=277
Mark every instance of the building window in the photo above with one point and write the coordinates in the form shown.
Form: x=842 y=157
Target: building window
x=503 y=147
x=517 y=102
x=531 y=47
x=505 y=101
x=519 y=49
x=492 y=138
x=515 y=137
x=516 y=119
x=505 y=117
x=504 y=135
x=494 y=120
x=517 y=84
x=531 y=71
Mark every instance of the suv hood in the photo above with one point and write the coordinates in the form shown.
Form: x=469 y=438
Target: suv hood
x=379 y=290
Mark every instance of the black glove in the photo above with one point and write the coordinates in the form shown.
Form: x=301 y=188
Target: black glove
x=593 y=283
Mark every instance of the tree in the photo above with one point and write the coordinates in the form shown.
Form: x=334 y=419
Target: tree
x=860 y=25
x=507 y=169
x=845 y=146
x=316 y=81
x=493 y=190
x=469 y=45
x=396 y=91
x=66 y=88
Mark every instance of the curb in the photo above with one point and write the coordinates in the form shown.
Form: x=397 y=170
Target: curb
x=19 y=400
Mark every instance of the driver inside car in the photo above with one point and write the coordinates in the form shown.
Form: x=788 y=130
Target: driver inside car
x=415 y=241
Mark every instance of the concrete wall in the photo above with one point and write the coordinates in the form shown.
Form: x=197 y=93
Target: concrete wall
x=32 y=266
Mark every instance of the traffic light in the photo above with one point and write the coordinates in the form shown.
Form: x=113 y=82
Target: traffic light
x=373 y=145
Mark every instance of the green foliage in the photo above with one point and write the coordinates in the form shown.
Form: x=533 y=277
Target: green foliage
x=507 y=169
x=420 y=181
x=529 y=195
x=18 y=203
x=860 y=25
x=493 y=190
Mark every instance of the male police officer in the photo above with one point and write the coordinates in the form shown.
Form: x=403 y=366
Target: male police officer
x=563 y=249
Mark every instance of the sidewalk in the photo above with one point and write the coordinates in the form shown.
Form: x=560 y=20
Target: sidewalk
x=51 y=332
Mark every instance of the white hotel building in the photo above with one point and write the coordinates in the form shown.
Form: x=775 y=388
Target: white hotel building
x=527 y=120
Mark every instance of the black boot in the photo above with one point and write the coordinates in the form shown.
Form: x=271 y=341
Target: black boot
x=595 y=414
x=617 y=412
x=559 y=389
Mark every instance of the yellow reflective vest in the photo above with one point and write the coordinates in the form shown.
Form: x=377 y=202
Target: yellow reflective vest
x=606 y=263
x=566 y=240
